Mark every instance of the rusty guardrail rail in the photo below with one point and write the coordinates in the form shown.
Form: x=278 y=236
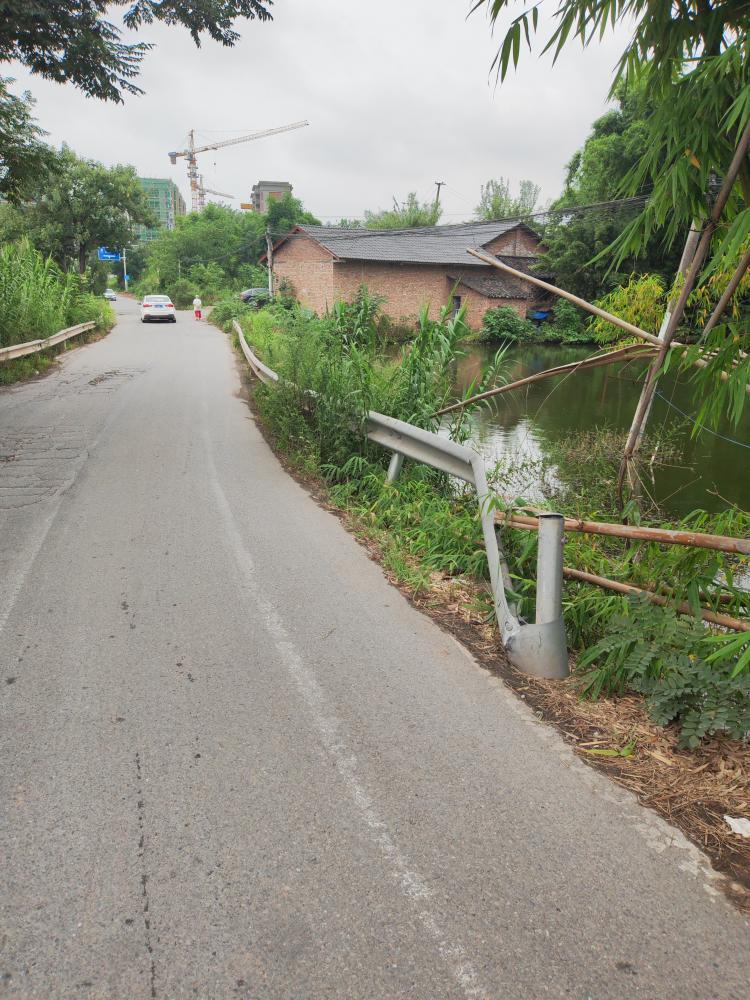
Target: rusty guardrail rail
x=35 y=346
x=538 y=648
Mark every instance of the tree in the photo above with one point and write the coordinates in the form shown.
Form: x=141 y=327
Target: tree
x=497 y=202
x=216 y=251
x=286 y=212
x=84 y=205
x=409 y=215
x=24 y=158
x=692 y=60
x=72 y=41
x=577 y=241
x=229 y=240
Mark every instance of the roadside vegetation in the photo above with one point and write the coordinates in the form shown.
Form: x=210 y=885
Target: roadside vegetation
x=426 y=525
x=38 y=299
x=213 y=253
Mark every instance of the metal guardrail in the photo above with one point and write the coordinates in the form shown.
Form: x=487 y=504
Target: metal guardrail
x=538 y=648
x=35 y=346
x=261 y=371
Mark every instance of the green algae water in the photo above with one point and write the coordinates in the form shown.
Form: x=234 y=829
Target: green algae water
x=711 y=472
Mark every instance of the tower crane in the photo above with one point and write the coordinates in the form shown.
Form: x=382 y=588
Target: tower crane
x=197 y=190
x=203 y=190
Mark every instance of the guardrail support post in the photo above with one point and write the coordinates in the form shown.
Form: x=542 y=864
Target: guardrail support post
x=394 y=469
x=541 y=649
x=549 y=567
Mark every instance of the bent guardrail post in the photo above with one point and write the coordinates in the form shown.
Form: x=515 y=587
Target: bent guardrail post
x=441 y=453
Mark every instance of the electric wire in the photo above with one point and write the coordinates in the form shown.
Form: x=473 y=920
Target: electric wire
x=701 y=428
x=603 y=207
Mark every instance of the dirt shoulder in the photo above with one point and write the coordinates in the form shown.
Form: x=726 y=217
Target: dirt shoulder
x=693 y=789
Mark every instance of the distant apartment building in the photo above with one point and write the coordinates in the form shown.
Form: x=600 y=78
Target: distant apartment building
x=165 y=201
x=265 y=192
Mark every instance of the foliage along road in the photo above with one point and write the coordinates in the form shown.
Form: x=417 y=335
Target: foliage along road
x=236 y=762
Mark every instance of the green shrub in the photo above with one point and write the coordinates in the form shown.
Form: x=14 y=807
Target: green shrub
x=568 y=325
x=181 y=292
x=697 y=680
x=504 y=323
x=641 y=302
x=227 y=309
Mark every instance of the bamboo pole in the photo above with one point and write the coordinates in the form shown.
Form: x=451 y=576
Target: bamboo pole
x=683 y=608
x=630 y=353
x=640 y=417
x=729 y=291
x=676 y=304
x=636 y=331
x=664 y=536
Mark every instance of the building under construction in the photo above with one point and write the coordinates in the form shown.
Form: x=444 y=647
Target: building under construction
x=165 y=201
x=264 y=192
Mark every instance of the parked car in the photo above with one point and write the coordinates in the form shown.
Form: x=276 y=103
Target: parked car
x=110 y=296
x=255 y=296
x=157 y=309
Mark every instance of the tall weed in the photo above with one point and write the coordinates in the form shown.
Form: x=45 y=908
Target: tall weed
x=37 y=299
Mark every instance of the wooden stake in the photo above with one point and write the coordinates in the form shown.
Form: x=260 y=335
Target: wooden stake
x=632 y=352
x=636 y=331
x=682 y=609
x=664 y=536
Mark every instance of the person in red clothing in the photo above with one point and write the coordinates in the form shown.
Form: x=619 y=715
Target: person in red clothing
x=197 y=307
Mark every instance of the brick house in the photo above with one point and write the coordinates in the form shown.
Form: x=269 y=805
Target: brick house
x=409 y=267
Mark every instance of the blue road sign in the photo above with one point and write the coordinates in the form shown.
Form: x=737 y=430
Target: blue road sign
x=105 y=254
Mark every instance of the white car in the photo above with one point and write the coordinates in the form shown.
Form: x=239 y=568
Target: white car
x=110 y=295
x=157 y=308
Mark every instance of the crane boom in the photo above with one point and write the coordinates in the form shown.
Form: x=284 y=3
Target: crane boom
x=197 y=190
x=221 y=194
x=243 y=138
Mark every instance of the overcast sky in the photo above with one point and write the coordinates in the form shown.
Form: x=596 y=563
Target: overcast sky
x=398 y=94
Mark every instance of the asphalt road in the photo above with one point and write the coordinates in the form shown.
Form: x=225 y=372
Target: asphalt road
x=236 y=762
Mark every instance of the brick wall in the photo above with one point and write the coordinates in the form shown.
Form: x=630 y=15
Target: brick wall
x=478 y=304
x=517 y=243
x=318 y=281
x=307 y=266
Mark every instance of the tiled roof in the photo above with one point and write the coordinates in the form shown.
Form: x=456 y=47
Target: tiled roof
x=433 y=245
x=495 y=285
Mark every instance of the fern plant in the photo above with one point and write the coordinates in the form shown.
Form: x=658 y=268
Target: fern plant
x=667 y=658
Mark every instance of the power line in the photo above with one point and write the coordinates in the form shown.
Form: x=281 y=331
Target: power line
x=701 y=427
x=603 y=207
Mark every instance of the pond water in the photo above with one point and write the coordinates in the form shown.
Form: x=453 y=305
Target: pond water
x=528 y=421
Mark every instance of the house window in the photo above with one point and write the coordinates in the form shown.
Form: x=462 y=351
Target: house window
x=456 y=304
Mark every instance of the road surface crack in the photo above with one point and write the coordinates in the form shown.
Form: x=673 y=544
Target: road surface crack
x=144 y=876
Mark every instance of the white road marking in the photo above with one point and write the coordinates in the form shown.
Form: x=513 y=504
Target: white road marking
x=329 y=728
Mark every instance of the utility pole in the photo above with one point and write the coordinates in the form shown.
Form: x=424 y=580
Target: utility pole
x=269 y=258
x=125 y=267
x=437 y=196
